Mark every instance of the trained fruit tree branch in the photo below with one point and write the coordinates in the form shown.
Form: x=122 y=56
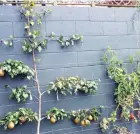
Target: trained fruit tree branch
x=39 y=93
x=33 y=43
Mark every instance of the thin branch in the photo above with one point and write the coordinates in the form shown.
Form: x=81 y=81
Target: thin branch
x=35 y=97
x=43 y=118
x=8 y=86
x=43 y=92
x=57 y=95
x=136 y=109
x=33 y=79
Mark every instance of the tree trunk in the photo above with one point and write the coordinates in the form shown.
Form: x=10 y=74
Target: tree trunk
x=39 y=93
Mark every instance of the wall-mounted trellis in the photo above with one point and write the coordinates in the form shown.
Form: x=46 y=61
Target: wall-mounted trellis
x=58 y=86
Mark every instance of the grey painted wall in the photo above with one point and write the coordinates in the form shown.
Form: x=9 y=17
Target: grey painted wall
x=100 y=27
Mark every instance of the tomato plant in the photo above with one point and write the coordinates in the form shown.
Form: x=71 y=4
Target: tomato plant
x=127 y=91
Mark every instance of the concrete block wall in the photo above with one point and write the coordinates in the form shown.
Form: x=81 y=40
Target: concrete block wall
x=100 y=27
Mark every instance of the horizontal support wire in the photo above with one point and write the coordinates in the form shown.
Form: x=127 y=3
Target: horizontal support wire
x=108 y=3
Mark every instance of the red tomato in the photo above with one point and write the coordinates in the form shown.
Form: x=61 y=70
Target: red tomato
x=132 y=117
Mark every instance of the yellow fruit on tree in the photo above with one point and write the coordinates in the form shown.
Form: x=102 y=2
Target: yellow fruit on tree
x=76 y=120
x=22 y=119
x=53 y=120
x=83 y=123
x=87 y=122
x=2 y=73
x=11 y=125
x=90 y=117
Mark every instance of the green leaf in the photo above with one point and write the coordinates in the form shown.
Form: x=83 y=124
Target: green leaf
x=131 y=59
x=34 y=36
x=6 y=86
x=52 y=35
x=5 y=42
x=48 y=91
x=11 y=36
x=81 y=38
x=27 y=13
x=31 y=98
x=18 y=100
x=10 y=43
x=32 y=22
x=62 y=44
x=39 y=48
x=20 y=67
x=67 y=43
x=49 y=10
x=60 y=39
x=72 y=42
x=27 y=26
x=29 y=33
x=44 y=43
x=29 y=77
x=39 y=21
